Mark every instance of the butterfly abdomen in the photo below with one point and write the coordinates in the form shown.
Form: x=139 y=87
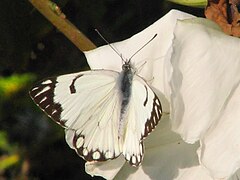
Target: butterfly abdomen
x=126 y=90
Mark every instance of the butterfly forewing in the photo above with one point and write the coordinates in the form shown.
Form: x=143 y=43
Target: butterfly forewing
x=43 y=95
x=86 y=104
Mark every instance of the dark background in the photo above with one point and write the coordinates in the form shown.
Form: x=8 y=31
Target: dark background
x=32 y=49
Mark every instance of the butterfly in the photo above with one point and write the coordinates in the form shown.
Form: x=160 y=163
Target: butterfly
x=105 y=113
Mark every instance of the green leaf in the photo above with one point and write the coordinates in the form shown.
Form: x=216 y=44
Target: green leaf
x=193 y=3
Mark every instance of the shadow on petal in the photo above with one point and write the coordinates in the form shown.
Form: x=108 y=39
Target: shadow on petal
x=165 y=156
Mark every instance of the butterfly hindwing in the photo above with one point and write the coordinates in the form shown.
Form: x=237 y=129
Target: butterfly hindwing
x=144 y=113
x=86 y=104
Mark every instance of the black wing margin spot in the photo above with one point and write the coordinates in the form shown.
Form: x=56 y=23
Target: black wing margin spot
x=155 y=117
x=43 y=95
x=136 y=159
x=90 y=154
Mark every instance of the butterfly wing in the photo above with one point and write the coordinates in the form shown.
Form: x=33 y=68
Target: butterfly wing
x=87 y=104
x=144 y=113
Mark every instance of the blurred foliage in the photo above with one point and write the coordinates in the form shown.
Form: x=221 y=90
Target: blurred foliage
x=8 y=161
x=12 y=84
x=8 y=157
x=31 y=145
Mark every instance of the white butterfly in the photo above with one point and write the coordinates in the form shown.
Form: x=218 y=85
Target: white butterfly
x=105 y=113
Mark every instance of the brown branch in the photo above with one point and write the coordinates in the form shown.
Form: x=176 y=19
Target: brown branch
x=53 y=13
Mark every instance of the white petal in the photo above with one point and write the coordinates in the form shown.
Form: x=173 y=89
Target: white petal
x=220 y=147
x=195 y=172
x=236 y=176
x=107 y=169
x=206 y=67
x=166 y=157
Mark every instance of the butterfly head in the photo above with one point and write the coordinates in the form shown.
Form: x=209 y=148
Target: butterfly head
x=126 y=65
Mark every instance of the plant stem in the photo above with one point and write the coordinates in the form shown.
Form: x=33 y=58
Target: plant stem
x=53 y=13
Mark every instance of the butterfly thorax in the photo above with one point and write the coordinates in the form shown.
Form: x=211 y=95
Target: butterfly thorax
x=126 y=83
x=125 y=90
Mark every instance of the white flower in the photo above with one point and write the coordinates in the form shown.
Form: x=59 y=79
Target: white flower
x=205 y=97
x=195 y=69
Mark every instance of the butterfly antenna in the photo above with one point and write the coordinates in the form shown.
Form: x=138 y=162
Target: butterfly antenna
x=142 y=47
x=112 y=47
